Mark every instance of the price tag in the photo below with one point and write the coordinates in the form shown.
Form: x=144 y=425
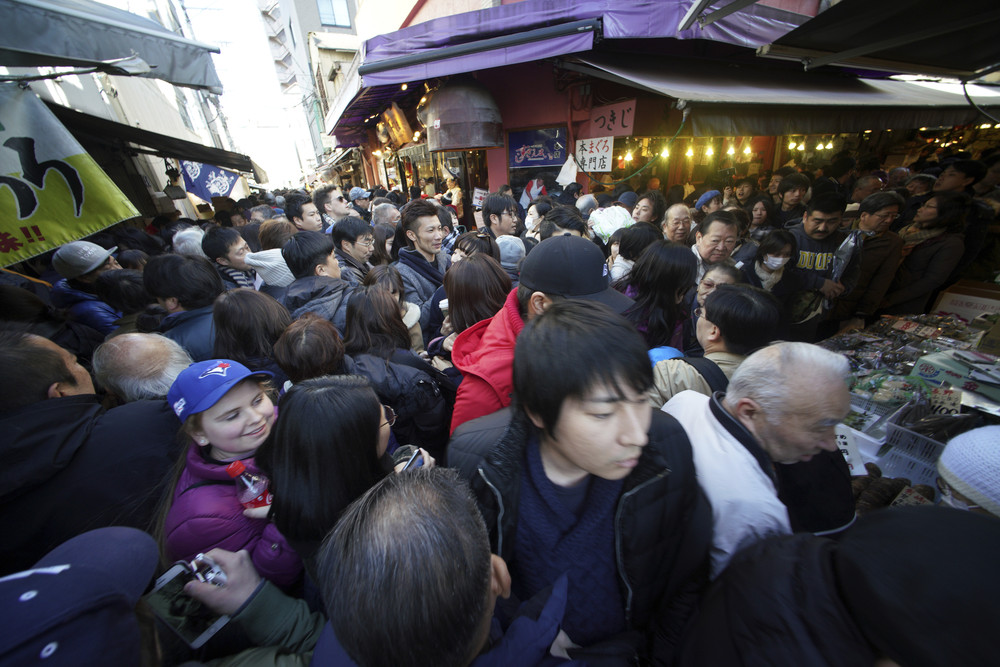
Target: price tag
x=909 y=497
x=945 y=401
x=849 y=448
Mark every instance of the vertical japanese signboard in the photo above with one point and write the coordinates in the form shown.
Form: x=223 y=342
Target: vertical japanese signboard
x=594 y=155
x=51 y=191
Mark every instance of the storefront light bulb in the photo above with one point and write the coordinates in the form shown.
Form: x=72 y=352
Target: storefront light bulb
x=746 y=151
x=829 y=144
x=819 y=146
x=690 y=152
x=802 y=146
x=709 y=151
x=628 y=156
x=377 y=153
x=792 y=145
x=423 y=100
x=403 y=87
x=665 y=153
x=416 y=135
x=985 y=126
x=868 y=131
x=731 y=151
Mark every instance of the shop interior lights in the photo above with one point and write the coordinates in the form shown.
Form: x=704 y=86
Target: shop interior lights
x=792 y=145
x=710 y=151
x=628 y=156
x=665 y=153
x=829 y=144
x=690 y=152
x=746 y=151
x=731 y=150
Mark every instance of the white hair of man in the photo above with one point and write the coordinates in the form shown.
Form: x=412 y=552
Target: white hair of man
x=586 y=205
x=188 y=242
x=770 y=375
x=383 y=214
x=138 y=366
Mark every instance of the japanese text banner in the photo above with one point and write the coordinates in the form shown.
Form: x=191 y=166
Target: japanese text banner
x=51 y=191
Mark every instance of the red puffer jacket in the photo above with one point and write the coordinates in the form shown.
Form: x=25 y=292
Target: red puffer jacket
x=484 y=353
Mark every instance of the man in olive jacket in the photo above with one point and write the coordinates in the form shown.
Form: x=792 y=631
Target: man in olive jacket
x=587 y=480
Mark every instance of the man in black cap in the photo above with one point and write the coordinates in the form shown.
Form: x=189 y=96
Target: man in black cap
x=561 y=267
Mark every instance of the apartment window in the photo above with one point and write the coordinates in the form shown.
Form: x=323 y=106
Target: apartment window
x=334 y=12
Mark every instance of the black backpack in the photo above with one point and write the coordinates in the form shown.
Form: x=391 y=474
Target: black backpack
x=710 y=371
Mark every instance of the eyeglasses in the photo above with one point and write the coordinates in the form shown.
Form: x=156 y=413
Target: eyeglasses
x=390 y=416
x=368 y=244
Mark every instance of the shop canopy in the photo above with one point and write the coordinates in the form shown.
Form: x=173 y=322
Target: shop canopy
x=83 y=33
x=143 y=141
x=525 y=32
x=955 y=39
x=728 y=100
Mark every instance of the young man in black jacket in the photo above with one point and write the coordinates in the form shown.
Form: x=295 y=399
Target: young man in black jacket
x=586 y=479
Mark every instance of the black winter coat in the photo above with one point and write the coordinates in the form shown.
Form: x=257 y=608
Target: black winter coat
x=422 y=409
x=776 y=605
x=325 y=296
x=68 y=466
x=663 y=524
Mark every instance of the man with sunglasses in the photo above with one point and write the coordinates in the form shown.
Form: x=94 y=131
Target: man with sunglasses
x=353 y=244
x=331 y=203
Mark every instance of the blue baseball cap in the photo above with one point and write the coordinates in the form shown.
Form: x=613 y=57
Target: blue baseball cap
x=203 y=383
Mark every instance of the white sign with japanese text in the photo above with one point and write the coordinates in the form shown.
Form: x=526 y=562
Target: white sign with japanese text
x=595 y=154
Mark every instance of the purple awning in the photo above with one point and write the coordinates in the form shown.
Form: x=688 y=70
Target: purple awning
x=510 y=55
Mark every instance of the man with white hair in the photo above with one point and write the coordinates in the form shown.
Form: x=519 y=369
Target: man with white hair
x=765 y=452
x=139 y=366
x=677 y=224
x=386 y=214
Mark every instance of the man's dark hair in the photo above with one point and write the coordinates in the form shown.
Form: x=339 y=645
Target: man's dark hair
x=444 y=217
x=554 y=358
x=321 y=197
x=413 y=211
x=752 y=182
x=564 y=217
x=123 y=290
x=974 y=168
x=827 y=204
x=415 y=543
x=305 y=251
x=879 y=200
x=657 y=201
x=28 y=369
x=721 y=217
x=637 y=238
x=193 y=281
x=793 y=181
x=496 y=204
x=217 y=241
x=294 y=204
x=840 y=166
x=264 y=210
x=747 y=316
x=349 y=229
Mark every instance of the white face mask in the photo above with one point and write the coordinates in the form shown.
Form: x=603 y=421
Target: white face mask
x=774 y=263
x=529 y=221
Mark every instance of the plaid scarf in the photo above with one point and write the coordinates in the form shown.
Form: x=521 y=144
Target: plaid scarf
x=241 y=278
x=913 y=236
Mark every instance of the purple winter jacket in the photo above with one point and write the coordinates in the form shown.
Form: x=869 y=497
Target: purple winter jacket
x=206 y=514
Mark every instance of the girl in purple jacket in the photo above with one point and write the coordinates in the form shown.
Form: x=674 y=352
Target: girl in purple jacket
x=225 y=408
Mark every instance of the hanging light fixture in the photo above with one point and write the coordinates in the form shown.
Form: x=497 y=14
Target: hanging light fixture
x=665 y=153
x=628 y=156
x=792 y=145
x=746 y=151
x=731 y=150
x=819 y=146
x=829 y=144
x=709 y=151
x=690 y=152
x=802 y=146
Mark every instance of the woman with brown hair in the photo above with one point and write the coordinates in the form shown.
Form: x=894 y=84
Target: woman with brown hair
x=247 y=325
x=476 y=289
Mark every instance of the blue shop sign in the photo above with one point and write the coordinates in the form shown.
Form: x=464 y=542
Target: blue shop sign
x=536 y=148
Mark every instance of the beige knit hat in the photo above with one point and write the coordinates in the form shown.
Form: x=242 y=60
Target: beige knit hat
x=970 y=463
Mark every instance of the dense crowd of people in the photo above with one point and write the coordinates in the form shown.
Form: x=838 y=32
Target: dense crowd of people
x=594 y=430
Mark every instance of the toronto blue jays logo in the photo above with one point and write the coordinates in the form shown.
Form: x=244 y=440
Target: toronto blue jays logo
x=220 y=369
